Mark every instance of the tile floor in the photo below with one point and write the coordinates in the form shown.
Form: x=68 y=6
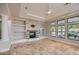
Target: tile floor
x=43 y=47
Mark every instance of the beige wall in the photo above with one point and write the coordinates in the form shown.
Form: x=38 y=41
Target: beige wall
x=4 y=9
x=37 y=24
x=29 y=22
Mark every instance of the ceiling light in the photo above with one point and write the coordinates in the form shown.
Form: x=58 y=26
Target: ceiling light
x=67 y=3
x=25 y=7
x=49 y=12
x=49 y=9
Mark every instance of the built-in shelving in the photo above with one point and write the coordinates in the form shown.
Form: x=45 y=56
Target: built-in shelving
x=19 y=25
x=19 y=29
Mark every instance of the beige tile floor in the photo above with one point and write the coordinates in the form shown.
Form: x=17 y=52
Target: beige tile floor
x=43 y=47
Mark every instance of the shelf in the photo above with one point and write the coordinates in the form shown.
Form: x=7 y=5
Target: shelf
x=19 y=31
x=19 y=25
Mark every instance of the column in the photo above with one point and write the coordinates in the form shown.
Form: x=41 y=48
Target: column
x=56 y=28
x=66 y=28
x=5 y=28
x=5 y=41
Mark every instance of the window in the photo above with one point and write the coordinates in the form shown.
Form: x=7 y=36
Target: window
x=58 y=28
x=53 y=29
x=61 y=28
x=0 y=27
x=73 y=28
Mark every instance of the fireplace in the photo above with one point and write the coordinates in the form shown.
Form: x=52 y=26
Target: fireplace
x=32 y=34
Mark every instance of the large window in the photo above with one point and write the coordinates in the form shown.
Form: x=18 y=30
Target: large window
x=61 y=28
x=53 y=29
x=73 y=28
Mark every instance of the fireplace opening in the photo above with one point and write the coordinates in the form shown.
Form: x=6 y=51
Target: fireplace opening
x=32 y=34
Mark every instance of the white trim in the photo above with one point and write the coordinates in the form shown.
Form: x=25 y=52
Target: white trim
x=4 y=50
x=29 y=14
x=5 y=41
x=27 y=40
x=67 y=41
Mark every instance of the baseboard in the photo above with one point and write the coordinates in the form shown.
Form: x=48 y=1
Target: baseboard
x=4 y=50
x=66 y=41
x=27 y=40
x=18 y=41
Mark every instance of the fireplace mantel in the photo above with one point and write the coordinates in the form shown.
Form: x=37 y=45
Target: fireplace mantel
x=31 y=30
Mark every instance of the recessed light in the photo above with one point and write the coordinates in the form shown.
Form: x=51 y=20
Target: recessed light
x=49 y=12
x=25 y=7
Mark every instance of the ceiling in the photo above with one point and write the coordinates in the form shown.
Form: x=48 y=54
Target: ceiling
x=39 y=11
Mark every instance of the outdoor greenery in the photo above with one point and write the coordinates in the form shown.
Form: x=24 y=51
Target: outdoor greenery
x=73 y=30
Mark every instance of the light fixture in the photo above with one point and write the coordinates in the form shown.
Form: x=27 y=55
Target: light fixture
x=32 y=25
x=49 y=9
x=67 y=4
x=25 y=7
x=49 y=12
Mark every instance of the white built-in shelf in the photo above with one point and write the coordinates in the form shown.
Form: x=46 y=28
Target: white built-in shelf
x=18 y=31
x=19 y=25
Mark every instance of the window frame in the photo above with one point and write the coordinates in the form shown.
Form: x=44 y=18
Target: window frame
x=55 y=28
x=71 y=23
x=61 y=29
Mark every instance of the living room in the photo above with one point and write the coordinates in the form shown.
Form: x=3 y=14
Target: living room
x=34 y=28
